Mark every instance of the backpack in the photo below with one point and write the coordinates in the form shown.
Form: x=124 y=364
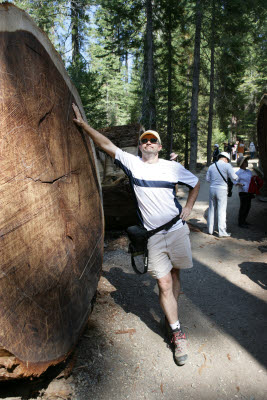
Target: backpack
x=255 y=185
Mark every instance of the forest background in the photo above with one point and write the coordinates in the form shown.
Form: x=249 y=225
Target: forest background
x=193 y=70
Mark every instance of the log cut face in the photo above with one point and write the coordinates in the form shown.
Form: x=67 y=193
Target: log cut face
x=51 y=218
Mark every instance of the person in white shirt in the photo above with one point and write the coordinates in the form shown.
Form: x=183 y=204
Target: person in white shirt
x=153 y=181
x=218 y=192
x=244 y=177
x=252 y=150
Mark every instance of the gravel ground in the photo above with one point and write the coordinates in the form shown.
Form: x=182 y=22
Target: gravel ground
x=123 y=352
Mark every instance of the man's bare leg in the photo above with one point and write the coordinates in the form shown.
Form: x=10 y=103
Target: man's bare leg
x=176 y=285
x=169 y=290
x=167 y=299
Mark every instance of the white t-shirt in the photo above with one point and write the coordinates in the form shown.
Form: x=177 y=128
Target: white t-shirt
x=154 y=188
x=244 y=176
x=252 y=147
x=213 y=176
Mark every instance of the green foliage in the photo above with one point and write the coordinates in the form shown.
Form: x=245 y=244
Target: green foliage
x=108 y=71
x=89 y=90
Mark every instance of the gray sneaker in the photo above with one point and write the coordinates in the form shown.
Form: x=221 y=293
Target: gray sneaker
x=179 y=343
x=226 y=234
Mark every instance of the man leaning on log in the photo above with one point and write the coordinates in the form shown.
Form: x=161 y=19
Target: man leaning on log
x=153 y=180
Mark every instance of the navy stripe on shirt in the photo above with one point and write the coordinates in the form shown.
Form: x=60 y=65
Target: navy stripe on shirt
x=142 y=182
x=153 y=184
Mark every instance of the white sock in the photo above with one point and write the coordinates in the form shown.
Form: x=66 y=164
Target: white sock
x=175 y=326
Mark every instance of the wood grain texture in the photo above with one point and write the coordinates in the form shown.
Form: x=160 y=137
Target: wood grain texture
x=51 y=218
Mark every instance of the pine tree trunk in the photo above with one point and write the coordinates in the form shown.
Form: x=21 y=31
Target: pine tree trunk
x=149 y=101
x=126 y=68
x=169 y=113
x=75 y=31
x=194 y=103
x=211 y=102
x=187 y=127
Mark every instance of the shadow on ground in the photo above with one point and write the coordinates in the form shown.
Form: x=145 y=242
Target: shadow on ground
x=139 y=298
x=255 y=271
x=33 y=388
x=238 y=313
x=27 y=388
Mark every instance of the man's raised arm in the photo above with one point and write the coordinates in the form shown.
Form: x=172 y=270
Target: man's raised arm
x=100 y=140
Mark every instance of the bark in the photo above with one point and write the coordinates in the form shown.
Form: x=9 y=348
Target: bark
x=51 y=217
x=187 y=128
x=262 y=140
x=126 y=68
x=211 y=101
x=149 y=99
x=195 y=89
x=170 y=100
x=123 y=135
x=75 y=34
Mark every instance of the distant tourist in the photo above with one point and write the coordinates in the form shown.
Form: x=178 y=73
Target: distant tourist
x=252 y=150
x=216 y=153
x=228 y=148
x=240 y=149
x=244 y=177
x=234 y=148
x=218 y=174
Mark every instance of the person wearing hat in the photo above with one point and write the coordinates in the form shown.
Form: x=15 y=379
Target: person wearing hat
x=244 y=177
x=216 y=153
x=218 y=192
x=153 y=181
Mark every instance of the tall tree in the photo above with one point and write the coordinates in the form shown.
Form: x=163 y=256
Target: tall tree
x=211 y=101
x=77 y=17
x=170 y=71
x=195 y=89
x=43 y=11
x=167 y=22
x=148 y=118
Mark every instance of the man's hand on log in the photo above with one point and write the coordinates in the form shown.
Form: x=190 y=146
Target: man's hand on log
x=78 y=120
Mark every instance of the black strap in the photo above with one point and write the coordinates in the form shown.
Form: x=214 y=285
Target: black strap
x=221 y=173
x=166 y=226
x=145 y=264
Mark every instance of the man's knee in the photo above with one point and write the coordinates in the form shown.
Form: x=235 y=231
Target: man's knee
x=165 y=283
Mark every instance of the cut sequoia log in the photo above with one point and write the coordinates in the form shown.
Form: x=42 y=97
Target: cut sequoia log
x=118 y=199
x=262 y=141
x=51 y=216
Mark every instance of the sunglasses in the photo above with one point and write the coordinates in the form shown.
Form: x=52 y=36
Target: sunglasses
x=152 y=140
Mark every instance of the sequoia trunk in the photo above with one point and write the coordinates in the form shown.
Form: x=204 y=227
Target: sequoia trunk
x=51 y=218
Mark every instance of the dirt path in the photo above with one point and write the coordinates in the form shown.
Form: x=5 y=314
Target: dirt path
x=123 y=353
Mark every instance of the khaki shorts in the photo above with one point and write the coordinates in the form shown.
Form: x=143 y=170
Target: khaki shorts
x=169 y=250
